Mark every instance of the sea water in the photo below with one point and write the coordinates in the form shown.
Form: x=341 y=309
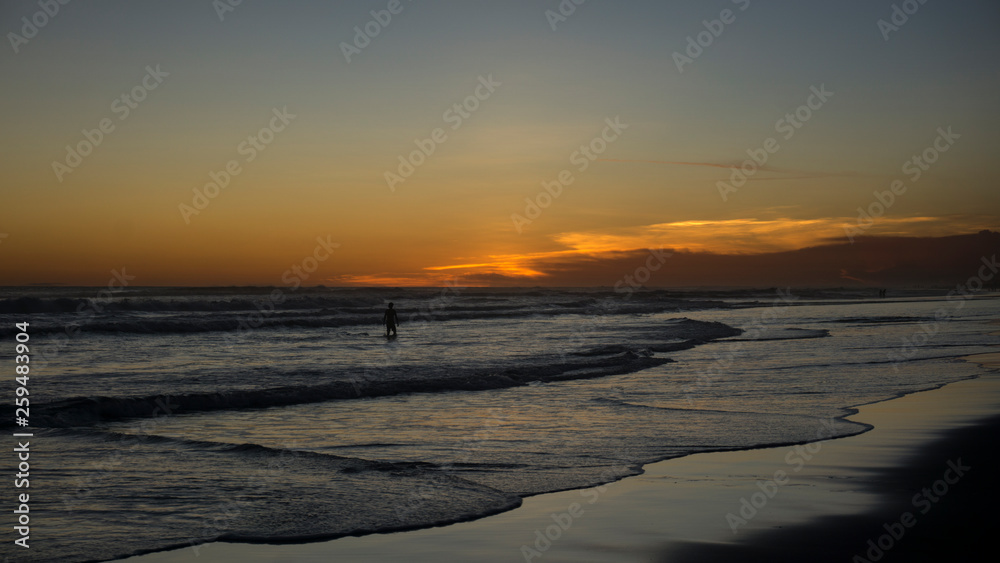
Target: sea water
x=165 y=418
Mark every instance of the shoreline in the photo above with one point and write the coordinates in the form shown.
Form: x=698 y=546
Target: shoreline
x=937 y=503
x=759 y=493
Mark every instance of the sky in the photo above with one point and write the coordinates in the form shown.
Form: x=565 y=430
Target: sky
x=242 y=142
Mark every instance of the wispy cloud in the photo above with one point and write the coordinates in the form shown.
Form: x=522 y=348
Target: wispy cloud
x=745 y=237
x=707 y=252
x=845 y=275
x=775 y=173
x=877 y=261
x=678 y=163
x=406 y=279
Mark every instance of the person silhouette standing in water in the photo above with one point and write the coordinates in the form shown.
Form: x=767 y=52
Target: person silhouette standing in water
x=390 y=320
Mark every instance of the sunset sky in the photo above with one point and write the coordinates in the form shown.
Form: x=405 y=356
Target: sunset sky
x=338 y=128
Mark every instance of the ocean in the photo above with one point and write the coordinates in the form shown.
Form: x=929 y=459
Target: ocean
x=164 y=418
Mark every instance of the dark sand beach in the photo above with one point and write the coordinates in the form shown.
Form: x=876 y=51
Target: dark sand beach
x=937 y=503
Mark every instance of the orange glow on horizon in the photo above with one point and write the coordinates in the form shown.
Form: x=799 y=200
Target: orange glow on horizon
x=732 y=236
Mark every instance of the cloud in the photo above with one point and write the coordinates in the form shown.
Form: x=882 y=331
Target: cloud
x=757 y=236
x=788 y=174
x=746 y=252
x=385 y=279
x=678 y=163
x=749 y=252
x=870 y=261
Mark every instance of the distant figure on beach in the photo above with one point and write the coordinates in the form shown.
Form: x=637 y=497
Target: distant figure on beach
x=881 y=293
x=390 y=320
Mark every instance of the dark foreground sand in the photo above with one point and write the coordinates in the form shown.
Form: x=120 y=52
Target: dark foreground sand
x=833 y=498
x=940 y=503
